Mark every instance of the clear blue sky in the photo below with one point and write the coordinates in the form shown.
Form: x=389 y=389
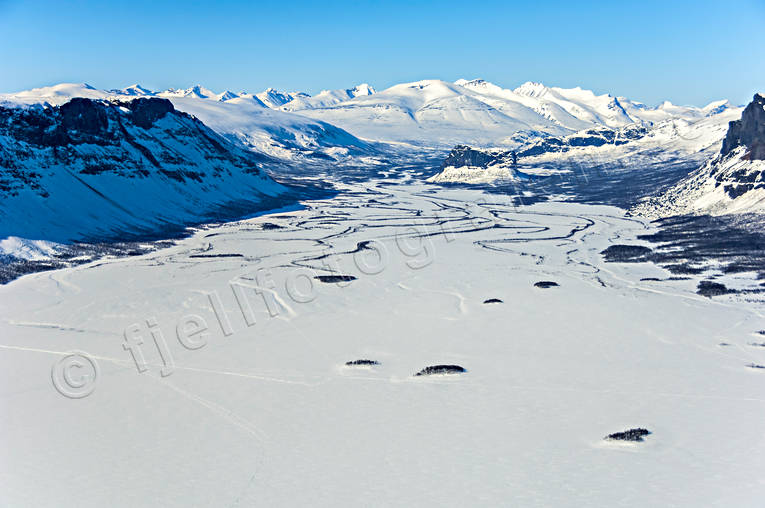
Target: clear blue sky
x=687 y=52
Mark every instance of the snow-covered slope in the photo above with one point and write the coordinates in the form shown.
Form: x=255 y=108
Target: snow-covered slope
x=94 y=169
x=278 y=133
x=242 y=117
x=438 y=113
x=731 y=182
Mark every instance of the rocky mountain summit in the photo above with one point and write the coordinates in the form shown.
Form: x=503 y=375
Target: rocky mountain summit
x=749 y=131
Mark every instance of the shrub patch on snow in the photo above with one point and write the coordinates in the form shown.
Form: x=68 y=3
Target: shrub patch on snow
x=627 y=254
x=635 y=435
x=545 y=284
x=362 y=363
x=709 y=289
x=334 y=279
x=493 y=300
x=441 y=369
x=216 y=256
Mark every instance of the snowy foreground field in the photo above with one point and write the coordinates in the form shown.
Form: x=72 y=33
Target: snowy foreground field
x=220 y=376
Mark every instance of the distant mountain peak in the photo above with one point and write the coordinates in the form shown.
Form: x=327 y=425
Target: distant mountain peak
x=227 y=95
x=361 y=89
x=134 y=90
x=464 y=82
x=531 y=89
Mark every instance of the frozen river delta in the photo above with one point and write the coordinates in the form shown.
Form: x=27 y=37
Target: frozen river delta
x=213 y=372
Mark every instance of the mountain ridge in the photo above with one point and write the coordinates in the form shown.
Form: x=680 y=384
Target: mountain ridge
x=425 y=113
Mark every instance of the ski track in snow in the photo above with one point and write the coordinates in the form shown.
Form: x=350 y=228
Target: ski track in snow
x=549 y=371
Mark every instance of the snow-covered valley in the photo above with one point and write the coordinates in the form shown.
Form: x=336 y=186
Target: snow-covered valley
x=274 y=299
x=213 y=372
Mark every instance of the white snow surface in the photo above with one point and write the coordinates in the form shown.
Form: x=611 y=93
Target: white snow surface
x=268 y=415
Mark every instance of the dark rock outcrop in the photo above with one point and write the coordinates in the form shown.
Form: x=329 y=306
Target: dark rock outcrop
x=591 y=137
x=81 y=121
x=749 y=131
x=463 y=155
x=147 y=111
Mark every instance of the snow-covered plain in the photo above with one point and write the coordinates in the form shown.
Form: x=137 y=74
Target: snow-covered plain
x=267 y=414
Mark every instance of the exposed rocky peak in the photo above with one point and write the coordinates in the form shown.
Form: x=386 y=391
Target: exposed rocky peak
x=749 y=131
x=81 y=120
x=147 y=111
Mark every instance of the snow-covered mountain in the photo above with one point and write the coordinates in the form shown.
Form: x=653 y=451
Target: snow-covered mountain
x=731 y=182
x=428 y=113
x=242 y=117
x=438 y=113
x=327 y=98
x=97 y=169
x=273 y=98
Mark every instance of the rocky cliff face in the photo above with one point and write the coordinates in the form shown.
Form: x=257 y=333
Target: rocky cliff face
x=463 y=155
x=105 y=169
x=749 y=131
x=732 y=182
